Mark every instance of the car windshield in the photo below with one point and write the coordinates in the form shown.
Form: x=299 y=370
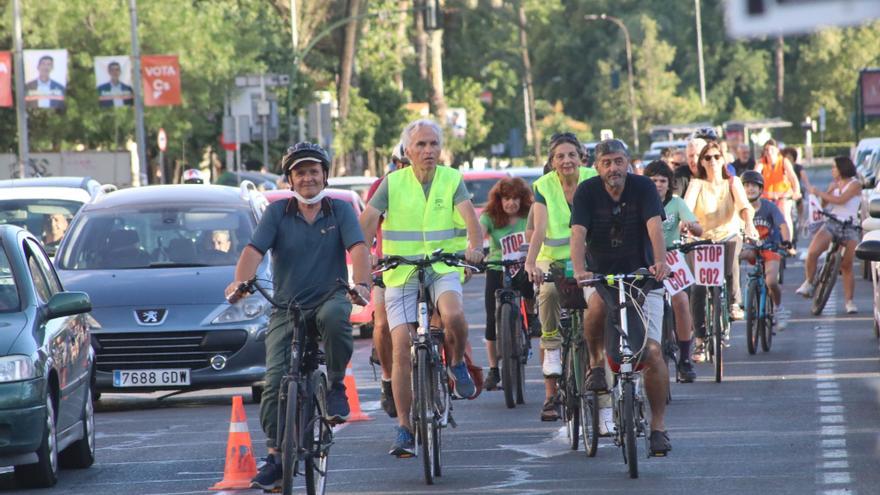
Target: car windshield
x=157 y=237
x=47 y=219
x=480 y=188
x=9 y=301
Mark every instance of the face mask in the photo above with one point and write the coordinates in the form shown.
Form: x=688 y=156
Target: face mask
x=317 y=199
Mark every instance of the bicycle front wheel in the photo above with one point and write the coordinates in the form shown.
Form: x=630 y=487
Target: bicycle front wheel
x=717 y=334
x=571 y=403
x=827 y=278
x=767 y=325
x=423 y=402
x=753 y=299
x=290 y=440
x=317 y=438
x=630 y=445
x=505 y=335
x=589 y=412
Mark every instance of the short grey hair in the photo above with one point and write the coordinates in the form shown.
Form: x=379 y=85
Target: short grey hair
x=415 y=125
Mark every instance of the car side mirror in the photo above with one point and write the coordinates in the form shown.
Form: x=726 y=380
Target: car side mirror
x=68 y=303
x=868 y=251
x=874 y=206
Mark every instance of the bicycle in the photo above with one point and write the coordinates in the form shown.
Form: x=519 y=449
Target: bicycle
x=759 y=305
x=431 y=401
x=628 y=391
x=304 y=432
x=826 y=276
x=513 y=342
x=717 y=319
x=579 y=407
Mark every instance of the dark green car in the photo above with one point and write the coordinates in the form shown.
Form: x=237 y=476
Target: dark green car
x=46 y=361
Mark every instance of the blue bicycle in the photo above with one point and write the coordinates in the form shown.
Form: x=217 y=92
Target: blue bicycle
x=759 y=306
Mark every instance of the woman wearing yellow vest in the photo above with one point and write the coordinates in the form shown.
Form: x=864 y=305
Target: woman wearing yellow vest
x=781 y=184
x=549 y=243
x=425 y=206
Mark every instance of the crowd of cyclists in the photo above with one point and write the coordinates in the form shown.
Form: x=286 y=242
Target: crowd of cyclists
x=608 y=218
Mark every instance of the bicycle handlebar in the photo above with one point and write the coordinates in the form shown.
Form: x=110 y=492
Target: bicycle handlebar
x=252 y=286
x=610 y=278
x=390 y=262
x=847 y=224
x=689 y=246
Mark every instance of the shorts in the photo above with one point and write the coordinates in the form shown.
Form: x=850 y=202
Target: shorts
x=767 y=255
x=837 y=230
x=654 y=314
x=401 y=303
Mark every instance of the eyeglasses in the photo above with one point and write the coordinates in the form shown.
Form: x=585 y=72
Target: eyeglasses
x=709 y=158
x=679 y=164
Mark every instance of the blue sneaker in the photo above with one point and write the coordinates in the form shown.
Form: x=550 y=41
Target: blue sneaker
x=269 y=476
x=463 y=384
x=404 y=445
x=337 y=404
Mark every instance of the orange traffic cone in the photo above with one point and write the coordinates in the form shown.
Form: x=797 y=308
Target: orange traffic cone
x=351 y=394
x=240 y=465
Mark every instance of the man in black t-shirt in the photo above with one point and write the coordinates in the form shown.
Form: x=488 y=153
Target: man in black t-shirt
x=617 y=228
x=744 y=160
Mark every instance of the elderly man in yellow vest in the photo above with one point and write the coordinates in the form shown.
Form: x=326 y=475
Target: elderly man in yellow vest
x=426 y=207
x=549 y=245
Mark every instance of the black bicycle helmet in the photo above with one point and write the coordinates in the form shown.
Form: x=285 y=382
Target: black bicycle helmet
x=750 y=176
x=305 y=152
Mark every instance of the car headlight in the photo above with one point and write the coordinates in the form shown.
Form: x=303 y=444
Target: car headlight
x=16 y=368
x=244 y=310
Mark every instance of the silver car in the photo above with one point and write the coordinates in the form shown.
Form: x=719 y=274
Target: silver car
x=155 y=261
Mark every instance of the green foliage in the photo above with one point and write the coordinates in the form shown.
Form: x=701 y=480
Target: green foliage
x=465 y=93
x=358 y=132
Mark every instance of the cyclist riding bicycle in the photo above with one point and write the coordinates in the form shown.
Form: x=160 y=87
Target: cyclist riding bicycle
x=771 y=227
x=842 y=199
x=617 y=228
x=504 y=223
x=679 y=219
x=381 y=332
x=720 y=204
x=308 y=236
x=425 y=206
x=781 y=184
x=551 y=215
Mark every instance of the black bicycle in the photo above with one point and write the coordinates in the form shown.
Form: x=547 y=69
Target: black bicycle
x=826 y=277
x=304 y=430
x=511 y=334
x=431 y=401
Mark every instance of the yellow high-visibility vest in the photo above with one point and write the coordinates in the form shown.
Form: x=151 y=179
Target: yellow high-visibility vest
x=556 y=245
x=415 y=227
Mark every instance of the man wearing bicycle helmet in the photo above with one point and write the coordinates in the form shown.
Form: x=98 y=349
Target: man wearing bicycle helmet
x=772 y=230
x=192 y=176
x=617 y=228
x=424 y=205
x=307 y=237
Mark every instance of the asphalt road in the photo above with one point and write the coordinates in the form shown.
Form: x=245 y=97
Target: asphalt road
x=803 y=418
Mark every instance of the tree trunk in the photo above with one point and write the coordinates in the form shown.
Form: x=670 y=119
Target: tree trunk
x=527 y=80
x=401 y=43
x=421 y=41
x=346 y=69
x=780 y=74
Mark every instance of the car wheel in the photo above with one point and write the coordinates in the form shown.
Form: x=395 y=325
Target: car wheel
x=81 y=454
x=44 y=473
x=256 y=393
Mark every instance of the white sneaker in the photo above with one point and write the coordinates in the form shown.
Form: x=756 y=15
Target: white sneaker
x=552 y=363
x=781 y=318
x=851 y=308
x=805 y=290
x=606 y=421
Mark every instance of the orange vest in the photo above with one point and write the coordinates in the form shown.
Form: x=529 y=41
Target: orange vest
x=775 y=182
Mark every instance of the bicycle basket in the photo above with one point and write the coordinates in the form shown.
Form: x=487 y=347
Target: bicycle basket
x=571 y=295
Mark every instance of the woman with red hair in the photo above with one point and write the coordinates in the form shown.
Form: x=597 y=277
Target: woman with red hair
x=504 y=223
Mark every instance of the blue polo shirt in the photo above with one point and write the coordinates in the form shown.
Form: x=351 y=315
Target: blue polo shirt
x=307 y=258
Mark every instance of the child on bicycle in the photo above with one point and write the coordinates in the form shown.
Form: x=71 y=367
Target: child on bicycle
x=504 y=223
x=679 y=219
x=773 y=230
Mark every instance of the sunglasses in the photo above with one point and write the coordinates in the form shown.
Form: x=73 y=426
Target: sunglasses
x=709 y=158
x=616 y=233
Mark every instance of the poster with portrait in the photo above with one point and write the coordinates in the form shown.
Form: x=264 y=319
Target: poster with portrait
x=113 y=81
x=45 y=75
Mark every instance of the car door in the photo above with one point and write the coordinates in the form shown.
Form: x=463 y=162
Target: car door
x=62 y=338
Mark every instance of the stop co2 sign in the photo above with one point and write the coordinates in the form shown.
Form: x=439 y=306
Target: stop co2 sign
x=162 y=140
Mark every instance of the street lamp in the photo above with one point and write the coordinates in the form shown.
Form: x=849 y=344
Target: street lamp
x=632 y=93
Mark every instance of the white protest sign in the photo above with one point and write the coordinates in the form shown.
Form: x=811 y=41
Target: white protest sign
x=680 y=275
x=510 y=249
x=814 y=209
x=709 y=265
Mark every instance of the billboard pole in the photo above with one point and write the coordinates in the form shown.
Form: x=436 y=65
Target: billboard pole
x=137 y=86
x=21 y=111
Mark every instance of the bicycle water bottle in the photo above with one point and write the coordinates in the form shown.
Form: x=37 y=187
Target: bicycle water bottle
x=569 y=269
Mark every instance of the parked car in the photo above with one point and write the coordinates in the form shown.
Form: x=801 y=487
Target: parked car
x=529 y=174
x=46 y=365
x=479 y=183
x=87 y=184
x=45 y=212
x=359 y=184
x=868 y=251
x=361 y=316
x=155 y=261
x=264 y=181
x=864 y=149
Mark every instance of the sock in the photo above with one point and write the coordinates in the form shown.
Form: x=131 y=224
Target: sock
x=386 y=380
x=684 y=349
x=495 y=369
